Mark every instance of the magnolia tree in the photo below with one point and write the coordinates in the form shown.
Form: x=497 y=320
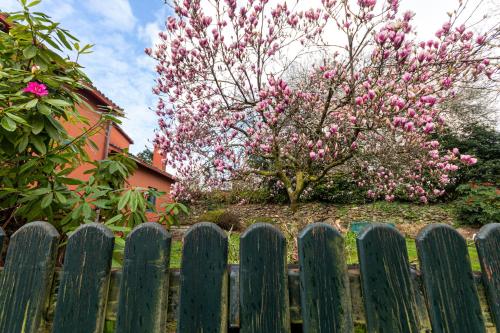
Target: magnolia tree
x=304 y=91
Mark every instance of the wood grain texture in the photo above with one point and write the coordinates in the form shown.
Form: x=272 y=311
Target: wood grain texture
x=264 y=301
x=234 y=296
x=83 y=291
x=451 y=294
x=324 y=284
x=295 y=311
x=204 y=282
x=144 y=284
x=387 y=290
x=488 y=249
x=27 y=277
x=2 y=237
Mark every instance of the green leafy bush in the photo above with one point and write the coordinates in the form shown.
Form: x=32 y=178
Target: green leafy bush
x=224 y=219
x=479 y=204
x=339 y=188
x=40 y=87
x=173 y=213
x=482 y=142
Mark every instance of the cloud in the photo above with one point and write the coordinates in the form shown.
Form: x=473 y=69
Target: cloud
x=115 y=14
x=9 y=6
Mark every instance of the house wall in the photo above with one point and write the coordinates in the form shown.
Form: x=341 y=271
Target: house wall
x=99 y=138
x=145 y=177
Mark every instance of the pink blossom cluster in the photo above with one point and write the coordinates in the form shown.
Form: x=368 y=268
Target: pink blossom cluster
x=35 y=88
x=235 y=96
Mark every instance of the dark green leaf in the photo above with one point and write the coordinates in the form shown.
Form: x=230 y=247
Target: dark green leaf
x=114 y=219
x=39 y=191
x=37 y=126
x=23 y=143
x=30 y=52
x=60 y=197
x=63 y=39
x=34 y=3
x=8 y=124
x=44 y=109
x=124 y=200
x=16 y=118
x=31 y=104
x=57 y=102
x=38 y=144
x=47 y=200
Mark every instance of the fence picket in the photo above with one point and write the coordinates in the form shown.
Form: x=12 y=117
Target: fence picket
x=2 y=236
x=27 y=277
x=144 y=283
x=450 y=290
x=325 y=296
x=488 y=250
x=385 y=279
x=204 y=280
x=264 y=301
x=82 y=295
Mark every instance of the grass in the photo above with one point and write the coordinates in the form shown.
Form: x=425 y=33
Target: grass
x=350 y=247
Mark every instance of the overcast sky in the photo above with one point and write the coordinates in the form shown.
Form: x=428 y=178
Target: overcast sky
x=121 y=29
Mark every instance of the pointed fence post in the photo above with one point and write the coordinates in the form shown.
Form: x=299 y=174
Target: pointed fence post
x=450 y=290
x=144 y=284
x=264 y=305
x=488 y=249
x=27 y=277
x=82 y=295
x=203 y=303
x=385 y=279
x=324 y=284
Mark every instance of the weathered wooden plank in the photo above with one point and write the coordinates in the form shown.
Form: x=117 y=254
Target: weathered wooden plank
x=81 y=300
x=144 y=283
x=358 y=313
x=204 y=280
x=27 y=277
x=451 y=294
x=234 y=296
x=385 y=279
x=324 y=284
x=488 y=249
x=2 y=236
x=264 y=301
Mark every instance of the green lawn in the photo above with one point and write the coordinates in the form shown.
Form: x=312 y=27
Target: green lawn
x=351 y=251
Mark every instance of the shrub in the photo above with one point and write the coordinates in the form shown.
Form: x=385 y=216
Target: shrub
x=224 y=219
x=482 y=142
x=479 y=205
x=339 y=188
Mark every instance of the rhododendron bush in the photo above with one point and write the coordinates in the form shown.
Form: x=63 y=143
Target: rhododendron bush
x=309 y=90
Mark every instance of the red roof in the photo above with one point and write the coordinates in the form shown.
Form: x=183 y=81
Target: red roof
x=97 y=94
x=152 y=168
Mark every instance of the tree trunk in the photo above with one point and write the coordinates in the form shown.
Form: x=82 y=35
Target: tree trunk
x=293 y=202
x=294 y=193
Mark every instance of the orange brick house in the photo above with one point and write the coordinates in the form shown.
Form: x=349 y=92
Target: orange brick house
x=112 y=139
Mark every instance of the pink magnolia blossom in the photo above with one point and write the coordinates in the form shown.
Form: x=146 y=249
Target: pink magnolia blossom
x=231 y=92
x=36 y=88
x=467 y=159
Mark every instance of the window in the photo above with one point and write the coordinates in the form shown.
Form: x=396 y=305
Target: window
x=151 y=199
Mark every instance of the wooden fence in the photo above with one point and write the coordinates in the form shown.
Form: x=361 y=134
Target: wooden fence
x=262 y=294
